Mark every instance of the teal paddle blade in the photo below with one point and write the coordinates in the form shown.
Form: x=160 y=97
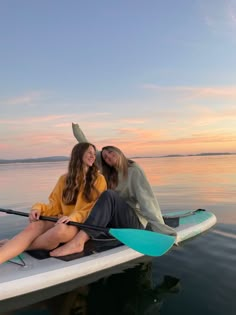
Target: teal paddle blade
x=143 y=241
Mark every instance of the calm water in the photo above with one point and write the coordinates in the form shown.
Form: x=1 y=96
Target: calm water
x=198 y=277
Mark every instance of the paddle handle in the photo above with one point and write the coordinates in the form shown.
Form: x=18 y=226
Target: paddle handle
x=53 y=219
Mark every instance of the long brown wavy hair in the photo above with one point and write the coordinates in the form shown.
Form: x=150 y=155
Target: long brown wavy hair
x=111 y=172
x=77 y=178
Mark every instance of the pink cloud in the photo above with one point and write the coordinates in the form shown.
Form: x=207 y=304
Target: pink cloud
x=134 y=141
x=228 y=92
x=133 y=121
x=26 y=99
x=3 y=146
x=33 y=138
x=30 y=120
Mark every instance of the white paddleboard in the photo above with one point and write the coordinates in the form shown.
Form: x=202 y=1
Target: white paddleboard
x=39 y=275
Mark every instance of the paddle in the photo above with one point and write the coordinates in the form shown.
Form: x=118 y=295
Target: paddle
x=143 y=241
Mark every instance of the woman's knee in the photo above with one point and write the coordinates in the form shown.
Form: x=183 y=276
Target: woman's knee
x=36 y=225
x=63 y=231
x=109 y=194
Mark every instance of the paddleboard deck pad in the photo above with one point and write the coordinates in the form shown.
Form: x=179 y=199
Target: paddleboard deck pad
x=36 y=271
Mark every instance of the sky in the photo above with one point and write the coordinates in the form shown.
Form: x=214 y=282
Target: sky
x=153 y=77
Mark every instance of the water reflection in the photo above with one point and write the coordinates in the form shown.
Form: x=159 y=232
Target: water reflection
x=129 y=293
x=179 y=183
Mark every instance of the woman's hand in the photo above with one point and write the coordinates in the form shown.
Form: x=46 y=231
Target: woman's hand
x=63 y=219
x=34 y=215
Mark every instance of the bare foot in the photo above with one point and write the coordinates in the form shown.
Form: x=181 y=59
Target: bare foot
x=71 y=247
x=3 y=242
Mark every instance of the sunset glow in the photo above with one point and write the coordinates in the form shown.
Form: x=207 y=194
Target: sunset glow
x=158 y=83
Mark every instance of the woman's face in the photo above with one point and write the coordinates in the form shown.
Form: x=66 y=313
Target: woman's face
x=110 y=157
x=89 y=156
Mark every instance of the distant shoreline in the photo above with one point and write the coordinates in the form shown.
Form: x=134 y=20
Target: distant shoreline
x=182 y=155
x=36 y=160
x=65 y=158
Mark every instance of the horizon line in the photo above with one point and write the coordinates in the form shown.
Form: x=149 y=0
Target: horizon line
x=65 y=158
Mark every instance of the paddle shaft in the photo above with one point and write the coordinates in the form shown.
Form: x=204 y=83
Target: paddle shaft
x=53 y=219
x=144 y=241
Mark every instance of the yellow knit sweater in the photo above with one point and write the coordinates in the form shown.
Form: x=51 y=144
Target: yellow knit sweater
x=78 y=212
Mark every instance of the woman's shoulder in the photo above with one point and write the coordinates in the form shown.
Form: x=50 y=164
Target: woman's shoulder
x=62 y=178
x=135 y=168
x=100 y=176
x=134 y=165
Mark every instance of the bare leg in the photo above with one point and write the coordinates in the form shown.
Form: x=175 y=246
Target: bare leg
x=22 y=241
x=76 y=245
x=59 y=233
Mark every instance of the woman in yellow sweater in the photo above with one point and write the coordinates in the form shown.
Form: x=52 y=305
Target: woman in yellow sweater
x=71 y=200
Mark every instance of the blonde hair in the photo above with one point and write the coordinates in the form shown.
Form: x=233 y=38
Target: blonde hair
x=111 y=172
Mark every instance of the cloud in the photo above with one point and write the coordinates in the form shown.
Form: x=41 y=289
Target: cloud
x=138 y=133
x=133 y=121
x=132 y=139
x=32 y=120
x=26 y=99
x=65 y=119
x=227 y=92
x=187 y=128
x=221 y=18
x=208 y=116
x=3 y=146
x=201 y=138
x=232 y=14
x=90 y=116
x=182 y=145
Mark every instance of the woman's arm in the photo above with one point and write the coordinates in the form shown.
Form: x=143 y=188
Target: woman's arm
x=54 y=207
x=148 y=203
x=80 y=136
x=78 y=133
